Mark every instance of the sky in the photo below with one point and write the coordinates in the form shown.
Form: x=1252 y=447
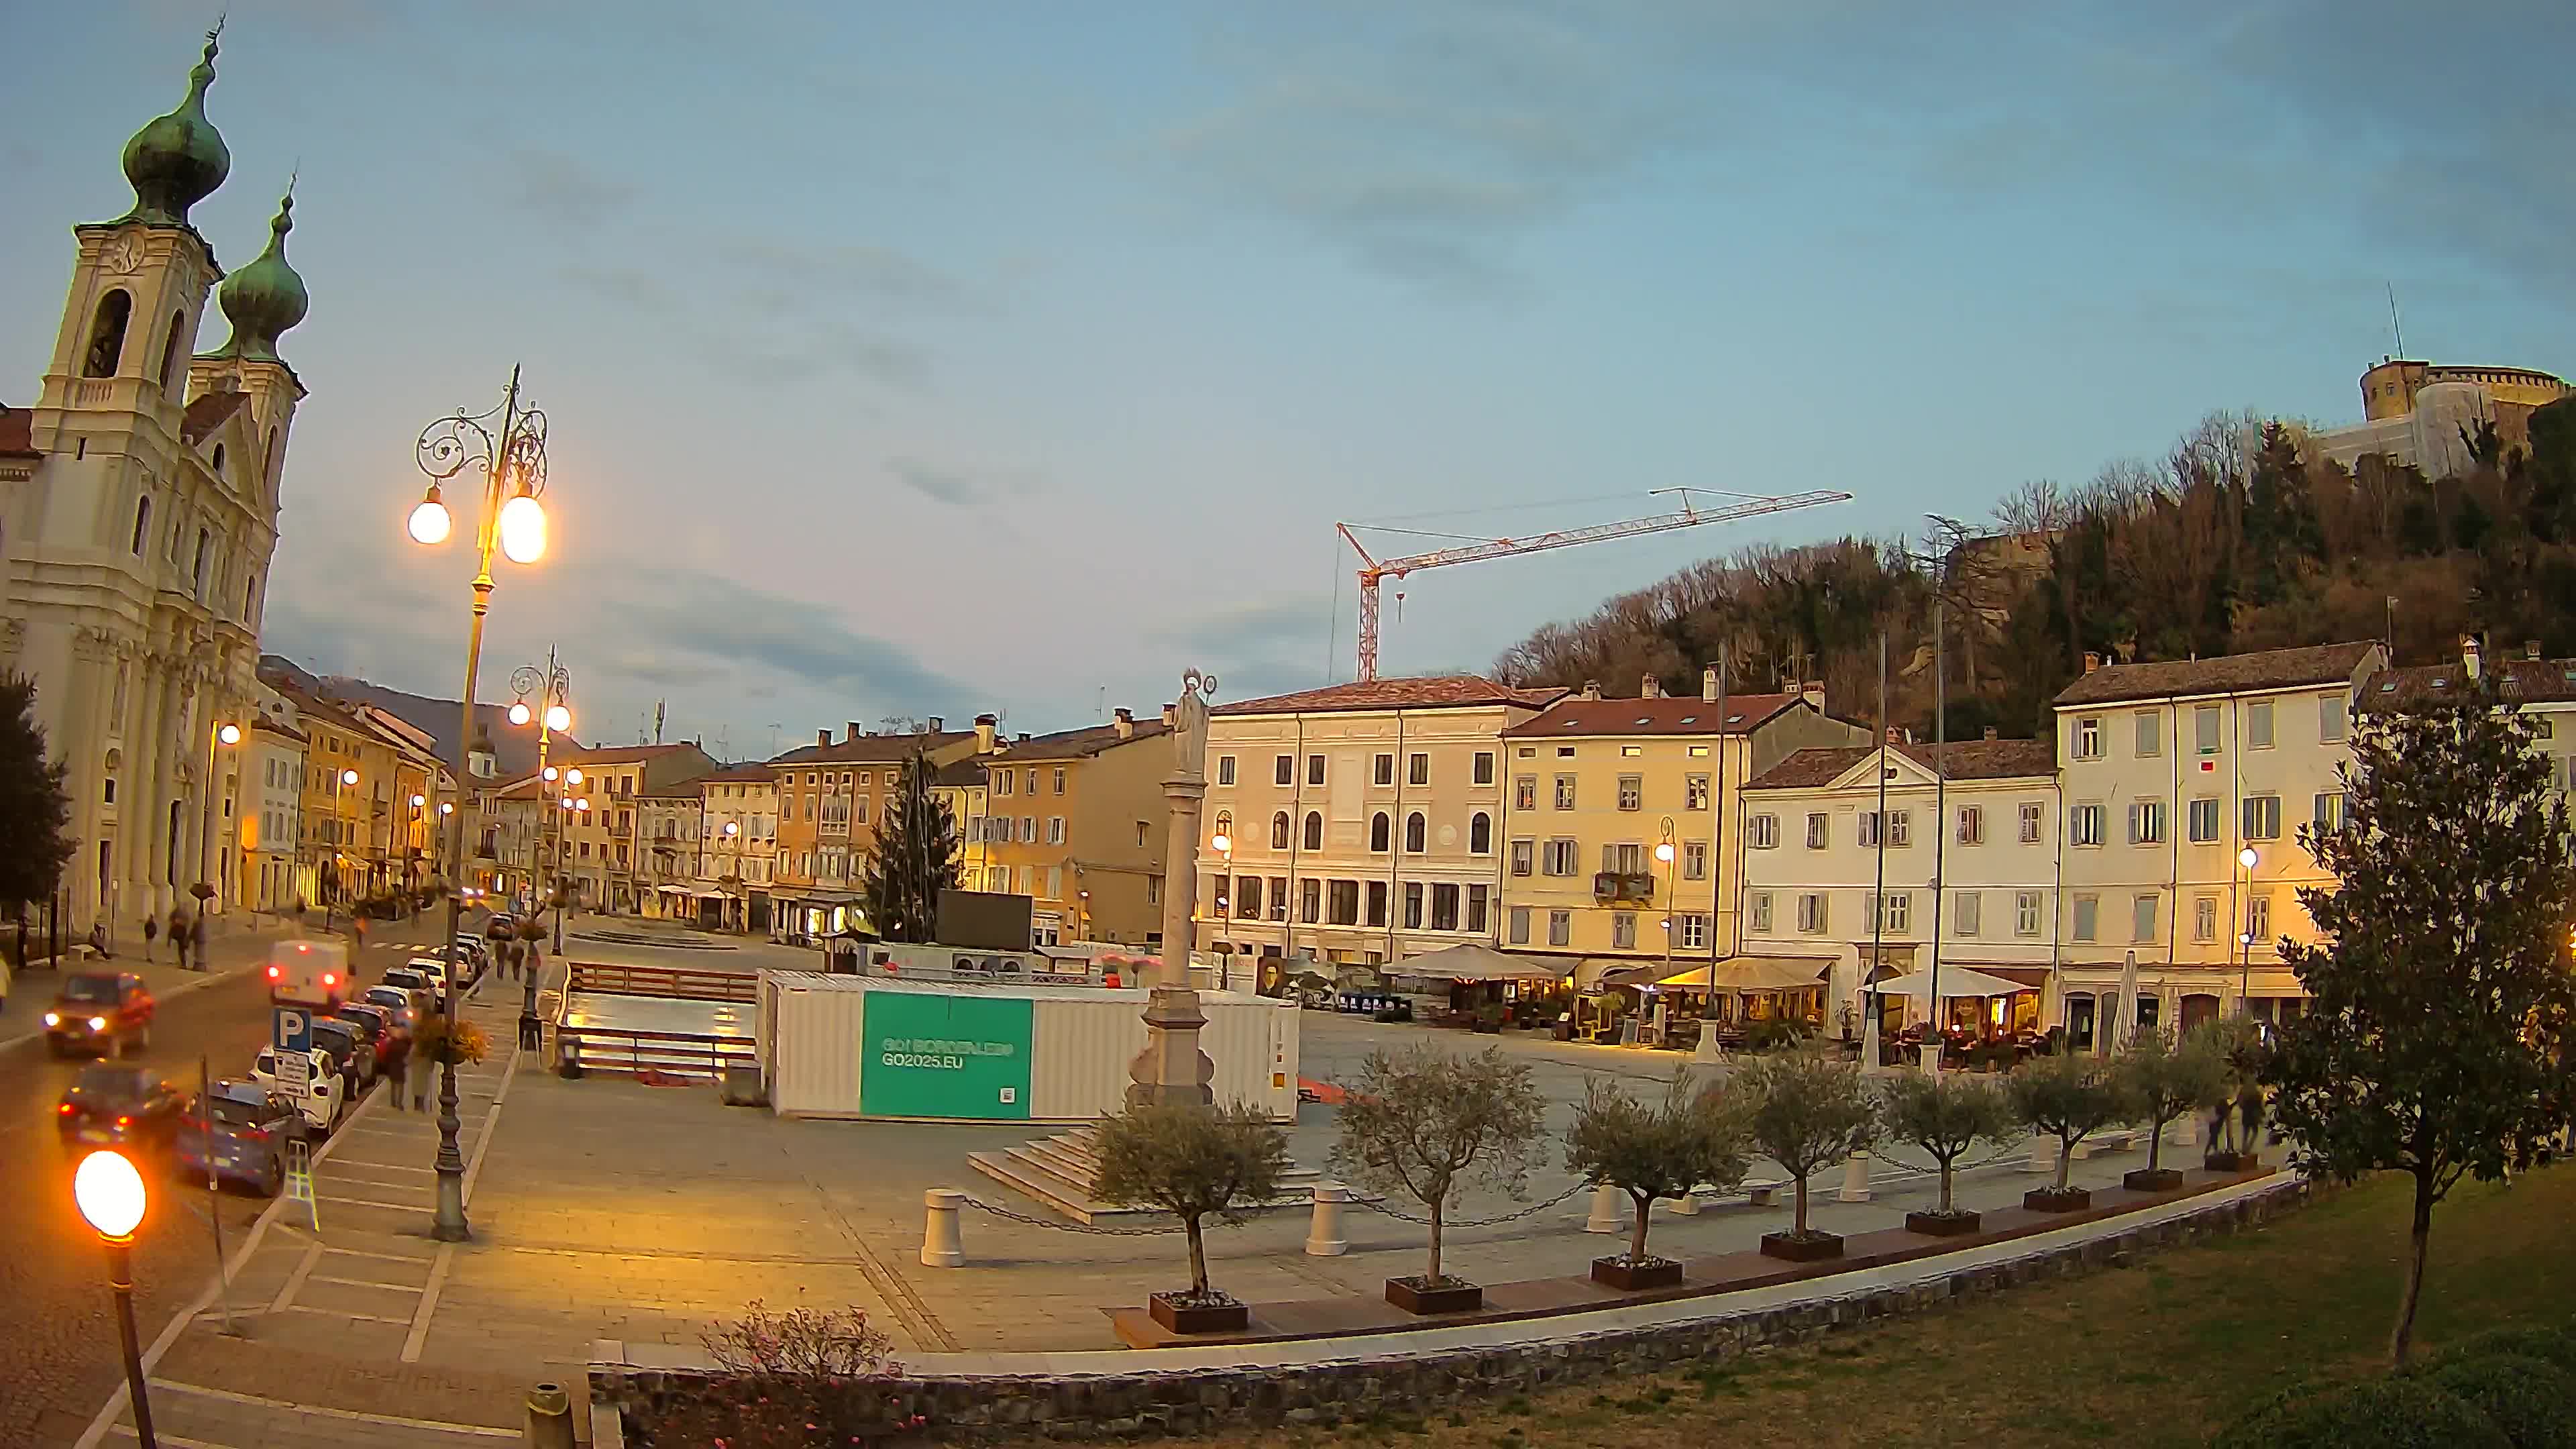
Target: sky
x=930 y=360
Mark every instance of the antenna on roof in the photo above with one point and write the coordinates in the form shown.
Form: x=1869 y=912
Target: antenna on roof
x=2395 y=331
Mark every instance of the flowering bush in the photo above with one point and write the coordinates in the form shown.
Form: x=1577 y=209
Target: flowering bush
x=799 y=1379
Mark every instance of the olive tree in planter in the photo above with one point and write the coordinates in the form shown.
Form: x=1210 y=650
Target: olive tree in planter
x=1806 y=1111
x=1946 y=1116
x=2070 y=1098
x=1427 y=1124
x=1652 y=1151
x=1194 y=1163
x=2163 y=1079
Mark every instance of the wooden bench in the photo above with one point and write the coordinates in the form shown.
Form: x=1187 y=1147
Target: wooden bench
x=2115 y=1139
x=1760 y=1191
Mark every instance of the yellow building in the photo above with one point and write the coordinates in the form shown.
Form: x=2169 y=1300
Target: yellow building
x=740 y=831
x=831 y=799
x=1599 y=788
x=1076 y=821
x=964 y=787
x=603 y=857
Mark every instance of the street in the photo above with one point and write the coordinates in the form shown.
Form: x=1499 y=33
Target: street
x=61 y=1359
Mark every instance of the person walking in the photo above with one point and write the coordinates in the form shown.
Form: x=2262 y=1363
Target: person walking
x=179 y=935
x=151 y=933
x=392 y=1072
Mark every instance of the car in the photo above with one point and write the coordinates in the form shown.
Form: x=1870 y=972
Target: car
x=100 y=1011
x=411 y=979
x=113 y=1105
x=407 y=1005
x=309 y=973
x=392 y=1044
x=349 y=1049
x=237 y=1132
x=433 y=967
x=325 y=1096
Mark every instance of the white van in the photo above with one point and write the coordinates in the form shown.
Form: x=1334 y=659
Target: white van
x=308 y=973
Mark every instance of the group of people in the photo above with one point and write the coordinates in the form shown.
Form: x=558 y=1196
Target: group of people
x=187 y=934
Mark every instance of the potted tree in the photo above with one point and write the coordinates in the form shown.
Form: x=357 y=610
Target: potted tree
x=1649 y=1152
x=1945 y=1116
x=2069 y=1098
x=1194 y=1163
x=2163 y=1079
x=1807 y=1111
x=1427 y=1124
x=2236 y=1110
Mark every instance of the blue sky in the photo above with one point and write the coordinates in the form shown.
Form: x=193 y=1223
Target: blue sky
x=931 y=359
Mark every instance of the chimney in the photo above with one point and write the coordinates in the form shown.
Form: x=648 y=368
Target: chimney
x=2092 y=661
x=1990 y=732
x=1171 y=715
x=938 y=725
x=2531 y=649
x=2469 y=656
x=1022 y=738
x=822 y=737
x=1708 y=684
x=986 y=726
x=1592 y=689
x=1123 y=721
x=851 y=731
x=1650 y=688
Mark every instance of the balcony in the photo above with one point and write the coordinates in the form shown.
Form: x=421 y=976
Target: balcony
x=1619 y=887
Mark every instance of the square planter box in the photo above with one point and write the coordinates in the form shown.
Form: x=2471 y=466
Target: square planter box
x=1813 y=1248
x=2050 y=1200
x=1413 y=1296
x=2231 y=1162
x=1632 y=1277
x=1228 y=1317
x=2159 y=1179
x=1942 y=1225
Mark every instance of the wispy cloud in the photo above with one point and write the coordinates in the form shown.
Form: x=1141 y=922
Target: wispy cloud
x=959 y=487
x=562 y=188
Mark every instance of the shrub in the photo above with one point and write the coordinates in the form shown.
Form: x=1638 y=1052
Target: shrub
x=2393 y=1413
x=1194 y=1163
x=798 y=1378
x=1774 y=1033
x=2532 y=1400
x=2519 y=1340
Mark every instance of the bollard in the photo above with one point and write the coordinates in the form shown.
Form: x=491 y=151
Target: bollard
x=1324 y=1232
x=1855 y=1179
x=549 y=1418
x=1605 y=1210
x=2043 y=1154
x=1686 y=1206
x=941 y=1245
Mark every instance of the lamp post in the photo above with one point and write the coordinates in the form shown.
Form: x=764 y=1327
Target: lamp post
x=552 y=714
x=109 y=1193
x=514 y=475
x=222 y=736
x=1223 y=844
x=2245 y=935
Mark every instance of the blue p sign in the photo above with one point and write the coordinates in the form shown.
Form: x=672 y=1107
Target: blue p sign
x=291 y=1030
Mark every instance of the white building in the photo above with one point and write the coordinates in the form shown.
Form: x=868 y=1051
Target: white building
x=1296 y=782
x=138 y=513
x=1962 y=868
x=2171 y=772
x=274 y=874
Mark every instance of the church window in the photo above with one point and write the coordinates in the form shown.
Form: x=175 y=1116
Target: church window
x=107 y=334
x=205 y=540
x=142 y=522
x=170 y=354
x=219 y=461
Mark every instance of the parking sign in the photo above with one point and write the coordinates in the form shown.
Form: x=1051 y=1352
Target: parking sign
x=291 y=1034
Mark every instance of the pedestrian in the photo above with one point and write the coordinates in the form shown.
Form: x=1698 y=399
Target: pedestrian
x=393 y=1071
x=151 y=932
x=179 y=935
x=98 y=940
x=537 y=962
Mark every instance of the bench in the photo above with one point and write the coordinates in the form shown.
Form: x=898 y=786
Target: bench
x=2115 y=1139
x=1759 y=1191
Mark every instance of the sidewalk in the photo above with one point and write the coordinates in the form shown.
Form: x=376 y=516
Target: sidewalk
x=237 y=943
x=342 y=1339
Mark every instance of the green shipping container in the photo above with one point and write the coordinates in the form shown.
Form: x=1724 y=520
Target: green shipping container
x=946 y=1056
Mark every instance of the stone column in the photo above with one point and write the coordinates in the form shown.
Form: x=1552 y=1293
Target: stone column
x=1171 y=1070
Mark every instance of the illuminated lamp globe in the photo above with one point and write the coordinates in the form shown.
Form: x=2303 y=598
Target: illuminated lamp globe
x=519 y=714
x=732 y=829
x=348 y=777
x=417 y=802
x=559 y=719
x=110 y=1194
x=573 y=775
x=429 y=522
x=523 y=529
x=1664 y=852
x=583 y=804
x=230 y=734
x=446 y=807
x=1223 y=843
x=2246 y=857
x=552 y=772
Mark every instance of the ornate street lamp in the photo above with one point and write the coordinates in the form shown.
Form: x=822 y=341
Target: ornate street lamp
x=109 y=1193
x=509 y=444
x=552 y=688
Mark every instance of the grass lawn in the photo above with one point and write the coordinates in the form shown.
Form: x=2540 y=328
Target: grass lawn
x=2162 y=1353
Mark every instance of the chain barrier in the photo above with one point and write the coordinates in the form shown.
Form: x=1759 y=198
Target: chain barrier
x=1378 y=1205
x=1090 y=1228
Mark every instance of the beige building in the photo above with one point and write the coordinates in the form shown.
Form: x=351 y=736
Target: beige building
x=1077 y=822
x=1599 y=787
x=667 y=821
x=1366 y=819
x=274 y=874
x=739 y=828
x=2170 y=772
x=1960 y=868
x=604 y=859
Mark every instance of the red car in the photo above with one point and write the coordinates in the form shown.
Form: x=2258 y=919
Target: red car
x=102 y=1012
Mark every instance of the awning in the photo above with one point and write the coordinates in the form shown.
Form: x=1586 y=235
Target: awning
x=818 y=898
x=1733 y=974
x=1956 y=981
x=1471 y=962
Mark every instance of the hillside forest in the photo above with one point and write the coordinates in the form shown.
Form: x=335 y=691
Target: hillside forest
x=2237 y=539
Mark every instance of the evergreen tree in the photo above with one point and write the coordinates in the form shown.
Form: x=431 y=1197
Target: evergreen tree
x=2436 y=1040
x=914 y=859
x=35 y=813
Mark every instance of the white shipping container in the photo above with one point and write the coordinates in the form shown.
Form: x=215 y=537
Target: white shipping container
x=813 y=1046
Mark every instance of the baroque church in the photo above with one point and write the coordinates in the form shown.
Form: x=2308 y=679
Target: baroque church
x=138 y=515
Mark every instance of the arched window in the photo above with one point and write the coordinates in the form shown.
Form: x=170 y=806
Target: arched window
x=218 y=469
x=250 y=600
x=1413 y=832
x=1279 y=831
x=205 y=541
x=1378 y=831
x=142 y=522
x=107 y=335
x=170 y=354
x=1314 y=830
x=1480 y=833
x=268 y=460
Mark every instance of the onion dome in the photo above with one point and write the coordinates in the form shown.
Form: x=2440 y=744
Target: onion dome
x=178 y=160
x=264 y=299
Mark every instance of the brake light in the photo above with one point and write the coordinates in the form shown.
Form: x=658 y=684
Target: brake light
x=66 y=1109
x=124 y=1121
x=273 y=973
x=330 y=980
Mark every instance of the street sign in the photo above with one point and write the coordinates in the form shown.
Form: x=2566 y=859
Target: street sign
x=290 y=1032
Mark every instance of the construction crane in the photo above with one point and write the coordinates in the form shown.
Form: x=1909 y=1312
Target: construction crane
x=1374 y=571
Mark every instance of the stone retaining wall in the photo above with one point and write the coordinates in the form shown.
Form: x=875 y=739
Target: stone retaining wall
x=984 y=1409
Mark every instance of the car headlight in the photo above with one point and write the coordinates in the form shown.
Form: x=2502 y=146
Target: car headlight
x=53 y=1018
x=98 y=1023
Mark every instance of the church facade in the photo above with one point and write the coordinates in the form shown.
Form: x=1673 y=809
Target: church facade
x=138 y=517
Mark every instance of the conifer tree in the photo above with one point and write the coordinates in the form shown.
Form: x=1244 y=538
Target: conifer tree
x=35 y=813
x=913 y=860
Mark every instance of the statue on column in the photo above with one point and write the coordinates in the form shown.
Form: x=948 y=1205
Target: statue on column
x=1171 y=1070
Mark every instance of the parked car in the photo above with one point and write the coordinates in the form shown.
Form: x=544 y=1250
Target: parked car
x=406 y=1004
x=325 y=1096
x=237 y=1132
x=112 y=1105
x=100 y=1011
x=350 y=1052
x=433 y=967
x=391 y=1043
x=410 y=979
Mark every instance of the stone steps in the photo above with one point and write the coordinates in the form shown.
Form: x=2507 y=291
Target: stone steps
x=1058 y=1171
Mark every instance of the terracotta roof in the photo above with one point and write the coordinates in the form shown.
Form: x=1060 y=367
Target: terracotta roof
x=871 y=749
x=18 y=433
x=738 y=775
x=1079 y=744
x=1574 y=716
x=2226 y=674
x=1439 y=691
x=278 y=727
x=959 y=774
x=206 y=412
x=2533 y=681
x=613 y=754
x=1961 y=760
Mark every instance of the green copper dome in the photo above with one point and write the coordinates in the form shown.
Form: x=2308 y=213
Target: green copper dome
x=178 y=160
x=266 y=298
